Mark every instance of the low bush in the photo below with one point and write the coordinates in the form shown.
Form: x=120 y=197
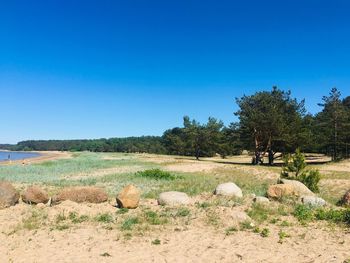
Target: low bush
x=156 y=174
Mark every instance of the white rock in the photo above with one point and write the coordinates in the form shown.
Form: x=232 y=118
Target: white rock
x=313 y=201
x=228 y=189
x=261 y=200
x=240 y=217
x=173 y=198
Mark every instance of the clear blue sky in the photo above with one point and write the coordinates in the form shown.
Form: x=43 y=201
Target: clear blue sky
x=92 y=69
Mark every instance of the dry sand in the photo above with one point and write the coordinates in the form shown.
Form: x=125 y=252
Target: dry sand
x=196 y=242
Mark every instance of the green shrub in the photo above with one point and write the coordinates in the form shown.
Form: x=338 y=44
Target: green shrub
x=156 y=174
x=303 y=213
x=311 y=179
x=294 y=169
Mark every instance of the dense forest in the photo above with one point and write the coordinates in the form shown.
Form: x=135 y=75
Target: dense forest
x=268 y=122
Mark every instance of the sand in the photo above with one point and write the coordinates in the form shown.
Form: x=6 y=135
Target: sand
x=196 y=242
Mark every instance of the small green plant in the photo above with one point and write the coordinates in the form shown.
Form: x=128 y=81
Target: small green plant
x=303 y=213
x=294 y=168
x=230 y=230
x=156 y=174
x=183 y=212
x=106 y=254
x=104 y=218
x=282 y=235
x=60 y=217
x=156 y=242
x=265 y=232
x=285 y=223
x=129 y=223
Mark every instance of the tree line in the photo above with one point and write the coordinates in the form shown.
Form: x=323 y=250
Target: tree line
x=269 y=122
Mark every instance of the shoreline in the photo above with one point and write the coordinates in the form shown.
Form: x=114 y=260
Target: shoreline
x=44 y=156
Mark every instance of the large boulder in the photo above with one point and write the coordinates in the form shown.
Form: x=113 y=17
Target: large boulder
x=35 y=195
x=8 y=195
x=313 y=201
x=299 y=187
x=129 y=197
x=346 y=199
x=80 y=194
x=173 y=198
x=228 y=189
x=279 y=191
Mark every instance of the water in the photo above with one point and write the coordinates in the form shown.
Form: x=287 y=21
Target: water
x=4 y=155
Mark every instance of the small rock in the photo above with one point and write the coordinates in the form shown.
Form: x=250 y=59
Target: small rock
x=346 y=199
x=278 y=191
x=261 y=200
x=129 y=197
x=173 y=198
x=299 y=188
x=228 y=189
x=313 y=201
x=240 y=217
x=80 y=194
x=8 y=195
x=35 y=195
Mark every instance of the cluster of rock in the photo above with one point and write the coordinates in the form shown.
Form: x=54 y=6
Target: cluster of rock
x=129 y=197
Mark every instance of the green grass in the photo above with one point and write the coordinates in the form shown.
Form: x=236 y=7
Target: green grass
x=129 y=223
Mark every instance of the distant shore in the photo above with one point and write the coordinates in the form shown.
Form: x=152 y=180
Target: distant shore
x=44 y=156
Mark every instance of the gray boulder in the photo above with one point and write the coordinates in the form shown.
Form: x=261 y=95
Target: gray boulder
x=228 y=189
x=313 y=201
x=8 y=195
x=173 y=198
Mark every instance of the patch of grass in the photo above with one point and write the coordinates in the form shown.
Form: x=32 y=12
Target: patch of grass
x=35 y=220
x=156 y=242
x=104 y=218
x=129 y=223
x=122 y=211
x=76 y=219
x=203 y=205
x=60 y=217
x=156 y=174
x=212 y=218
x=246 y=225
x=154 y=218
x=183 y=212
x=259 y=213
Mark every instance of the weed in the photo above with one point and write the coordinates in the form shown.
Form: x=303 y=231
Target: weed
x=265 y=232
x=230 y=230
x=246 y=225
x=154 y=219
x=156 y=242
x=106 y=254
